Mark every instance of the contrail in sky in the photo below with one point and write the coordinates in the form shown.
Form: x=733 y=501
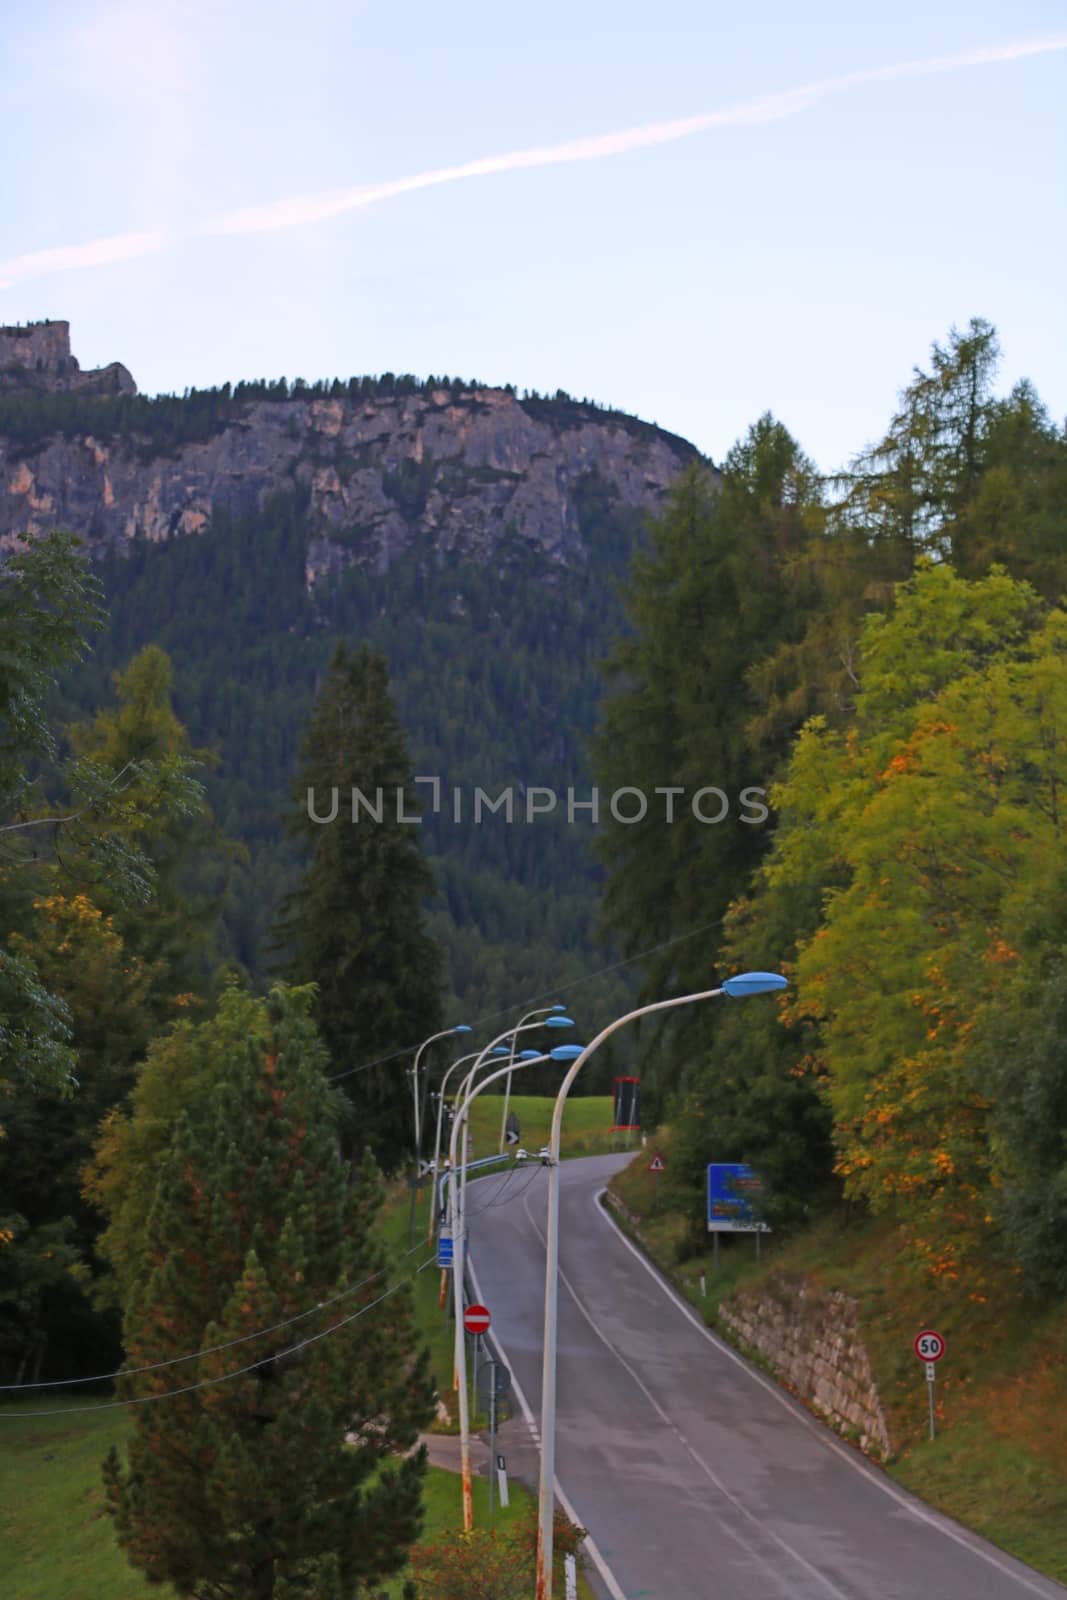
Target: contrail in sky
x=302 y=210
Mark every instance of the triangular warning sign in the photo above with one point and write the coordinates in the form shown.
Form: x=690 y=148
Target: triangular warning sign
x=656 y=1164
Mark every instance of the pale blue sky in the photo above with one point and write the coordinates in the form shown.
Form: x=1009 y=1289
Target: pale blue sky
x=797 y=255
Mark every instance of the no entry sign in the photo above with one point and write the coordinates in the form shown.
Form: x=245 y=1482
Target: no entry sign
x=929 y=1346
x=476 y=1319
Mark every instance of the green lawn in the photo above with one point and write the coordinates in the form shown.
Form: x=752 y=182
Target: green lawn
x=999 y=1461
x=55 y=1538
x=57 y=1543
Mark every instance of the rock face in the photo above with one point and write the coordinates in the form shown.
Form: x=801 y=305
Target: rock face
x=38 y=357
x=451 y=467
x=811 y=1338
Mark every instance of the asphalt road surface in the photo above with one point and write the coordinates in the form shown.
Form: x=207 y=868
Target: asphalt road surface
x=696 y=1477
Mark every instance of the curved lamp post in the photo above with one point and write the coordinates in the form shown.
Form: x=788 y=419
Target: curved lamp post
x=744 y=984
x=506 y=1040
x=474 y=1056
x=457 y=1207
x=446 y=1033
x=544 y=1011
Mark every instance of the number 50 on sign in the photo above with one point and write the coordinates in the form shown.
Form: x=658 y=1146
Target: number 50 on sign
x=929 y=1346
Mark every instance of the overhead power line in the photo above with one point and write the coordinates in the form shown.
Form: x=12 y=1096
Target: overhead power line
x=209 y=1350
x=226 y=1377
x=531 y=1000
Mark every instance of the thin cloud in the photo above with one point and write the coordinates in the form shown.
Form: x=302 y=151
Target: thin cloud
x=307 y=209
x=72 y=257
x=300 y=210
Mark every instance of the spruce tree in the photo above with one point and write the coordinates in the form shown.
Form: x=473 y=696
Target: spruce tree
x=354 y=925
x=707 y=602
x=289 y=1479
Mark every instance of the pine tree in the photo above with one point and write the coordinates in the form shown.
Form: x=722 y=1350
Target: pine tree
x=354 y=925
x=286 y=1480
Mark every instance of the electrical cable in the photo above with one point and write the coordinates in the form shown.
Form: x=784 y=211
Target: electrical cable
x=209 y=1350
x=226 y=1377
x=562 y=988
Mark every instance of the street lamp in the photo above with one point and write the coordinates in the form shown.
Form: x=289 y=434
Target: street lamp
x=446 y=1033
x=745 y=983
x=507 y=1039
x=545 y=1011
x=458 y=1209
x=474 y=1056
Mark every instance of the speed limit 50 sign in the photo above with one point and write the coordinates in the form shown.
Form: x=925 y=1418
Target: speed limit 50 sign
x=929 y=1346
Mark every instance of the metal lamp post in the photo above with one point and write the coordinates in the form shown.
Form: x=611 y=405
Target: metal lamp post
x=457 y=1208
x=744 y=984
x=474 y=1056
x=446 y=1033
x=544 y=1011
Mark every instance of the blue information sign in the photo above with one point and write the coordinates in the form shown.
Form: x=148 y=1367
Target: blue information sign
x=444 y=1250
x=734 y=1194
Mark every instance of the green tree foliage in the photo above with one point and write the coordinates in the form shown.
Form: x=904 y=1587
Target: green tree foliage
x=176 y=1078
x=175 y=932
x=939 y=813
x=354 y=925
x=706 y=602
x=49 y=1135
x=496 y=686
x=286 y=1480
x=74 y=997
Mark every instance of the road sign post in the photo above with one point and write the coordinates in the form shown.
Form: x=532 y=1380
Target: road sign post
x=492 y=1436
x=930 y=1347
x=476 y=1319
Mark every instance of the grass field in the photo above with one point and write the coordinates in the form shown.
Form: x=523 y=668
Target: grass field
x=999 y=1461
x=56 y=1541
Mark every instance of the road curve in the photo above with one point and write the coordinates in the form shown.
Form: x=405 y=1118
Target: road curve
x=698 y=1478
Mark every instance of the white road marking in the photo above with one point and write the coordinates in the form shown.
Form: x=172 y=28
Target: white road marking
x=708 y=1471
x=609 y=1579
x=934 y=1519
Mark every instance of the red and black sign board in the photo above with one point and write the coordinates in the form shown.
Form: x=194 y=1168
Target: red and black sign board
x=627 y=1105
x=657 y=1163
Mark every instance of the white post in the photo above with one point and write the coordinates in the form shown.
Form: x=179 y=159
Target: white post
x=543 y=1012
x=547 y=1490
x=507 y=1094
x=457 y=1208
x=437 y=1139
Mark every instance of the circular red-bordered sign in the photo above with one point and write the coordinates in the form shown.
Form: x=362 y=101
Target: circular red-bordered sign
x=476 y=1319
x=929 y=1346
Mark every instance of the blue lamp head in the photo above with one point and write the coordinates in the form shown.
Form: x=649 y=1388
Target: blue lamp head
x=753 y=983
x=461 y=1027
x=501 y=1050
x=566 y=1052
x=558 y=1022
x=557 y=1008
x=530 y=1055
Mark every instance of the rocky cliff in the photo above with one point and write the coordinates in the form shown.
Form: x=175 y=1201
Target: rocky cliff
x=384 y=464
x=38 y=356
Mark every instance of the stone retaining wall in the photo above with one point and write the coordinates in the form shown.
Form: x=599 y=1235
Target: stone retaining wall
x=810 y=1338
